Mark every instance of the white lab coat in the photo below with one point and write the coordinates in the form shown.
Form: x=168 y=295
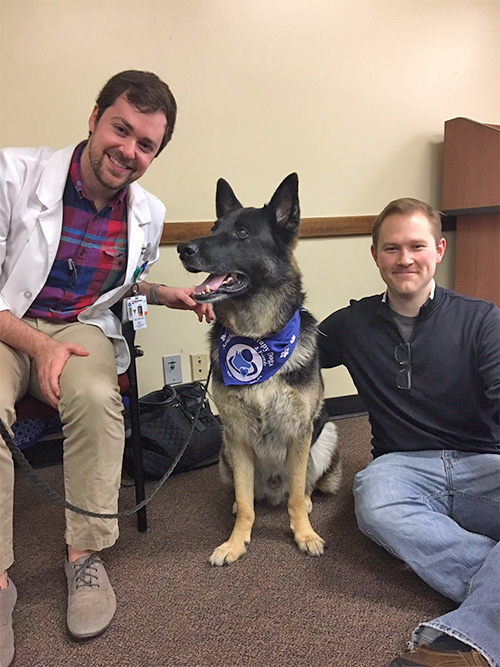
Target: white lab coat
x=32 y=182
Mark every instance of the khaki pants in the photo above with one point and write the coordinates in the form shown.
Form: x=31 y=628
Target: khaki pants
x=90 y=409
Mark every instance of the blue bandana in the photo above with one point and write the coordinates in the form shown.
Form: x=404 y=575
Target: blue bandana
x=249 y=361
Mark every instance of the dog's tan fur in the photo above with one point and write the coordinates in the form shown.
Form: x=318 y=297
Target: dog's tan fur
x=248 y=412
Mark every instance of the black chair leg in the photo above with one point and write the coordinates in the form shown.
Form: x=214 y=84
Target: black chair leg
x=135 y=427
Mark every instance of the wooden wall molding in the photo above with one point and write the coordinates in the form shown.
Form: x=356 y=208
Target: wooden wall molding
x=357 y=225
x=353 y=225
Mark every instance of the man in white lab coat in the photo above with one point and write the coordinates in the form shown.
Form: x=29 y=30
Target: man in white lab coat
x=76 y=233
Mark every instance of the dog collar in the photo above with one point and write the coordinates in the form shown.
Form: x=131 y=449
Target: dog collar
x=250 y=361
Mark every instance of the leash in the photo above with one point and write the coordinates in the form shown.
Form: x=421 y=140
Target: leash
x=54 y=497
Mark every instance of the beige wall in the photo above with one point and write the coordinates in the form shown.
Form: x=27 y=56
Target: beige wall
x=351 y=94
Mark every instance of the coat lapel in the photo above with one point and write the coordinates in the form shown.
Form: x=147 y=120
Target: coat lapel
x=50 y=193
x=138 y=216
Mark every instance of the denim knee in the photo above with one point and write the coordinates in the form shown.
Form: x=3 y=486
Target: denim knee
x=383 y=505
x=368 y=502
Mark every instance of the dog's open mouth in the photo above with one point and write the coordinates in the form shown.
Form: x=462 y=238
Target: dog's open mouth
x=217 y=287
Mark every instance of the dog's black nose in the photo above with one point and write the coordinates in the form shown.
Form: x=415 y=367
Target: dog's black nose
x=186 y=250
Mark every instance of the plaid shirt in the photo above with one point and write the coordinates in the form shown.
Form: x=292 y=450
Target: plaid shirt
x=92 y=254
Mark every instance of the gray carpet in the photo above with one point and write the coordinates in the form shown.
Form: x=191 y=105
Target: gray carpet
x=356 y=605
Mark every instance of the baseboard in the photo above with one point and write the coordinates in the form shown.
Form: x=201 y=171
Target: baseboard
x=342 y=407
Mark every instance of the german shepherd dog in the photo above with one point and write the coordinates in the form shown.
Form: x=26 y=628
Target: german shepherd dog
x=256 y=291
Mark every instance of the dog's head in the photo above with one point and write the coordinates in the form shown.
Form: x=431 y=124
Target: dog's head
x=248 y=248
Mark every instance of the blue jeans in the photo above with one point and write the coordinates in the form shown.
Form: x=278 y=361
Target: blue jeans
x=439 y=512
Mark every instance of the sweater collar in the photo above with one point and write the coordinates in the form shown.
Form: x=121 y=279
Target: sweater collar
x=431 y=303
x=431 y=295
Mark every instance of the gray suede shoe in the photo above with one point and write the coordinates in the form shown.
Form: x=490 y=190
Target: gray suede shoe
x=91 y=600
x=8 y=597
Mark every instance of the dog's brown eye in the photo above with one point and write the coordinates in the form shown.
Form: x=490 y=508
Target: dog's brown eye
x=241 y=233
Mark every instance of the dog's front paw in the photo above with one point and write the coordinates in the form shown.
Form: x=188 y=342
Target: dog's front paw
x=226 y=553
x=310 y=543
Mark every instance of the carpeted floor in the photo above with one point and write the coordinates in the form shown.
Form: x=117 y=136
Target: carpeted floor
x=354 y=606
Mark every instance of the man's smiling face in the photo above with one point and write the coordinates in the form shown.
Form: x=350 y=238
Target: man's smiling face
x=407 y=254
x=121 y=147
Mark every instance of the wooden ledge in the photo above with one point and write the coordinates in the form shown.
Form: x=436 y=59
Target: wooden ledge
x=357 y=225
x=310 y=228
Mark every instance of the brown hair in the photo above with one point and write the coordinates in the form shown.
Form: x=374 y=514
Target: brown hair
x=408 y=205
x=146 y=91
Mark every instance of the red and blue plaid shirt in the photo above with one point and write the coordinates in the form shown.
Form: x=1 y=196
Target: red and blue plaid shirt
x=92 y=254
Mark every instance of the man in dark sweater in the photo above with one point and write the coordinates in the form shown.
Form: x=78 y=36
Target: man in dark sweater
x=426 y=363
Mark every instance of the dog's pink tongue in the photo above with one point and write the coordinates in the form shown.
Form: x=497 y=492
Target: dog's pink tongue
x=213 y=282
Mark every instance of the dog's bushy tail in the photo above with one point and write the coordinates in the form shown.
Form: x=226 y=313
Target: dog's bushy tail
x=324 y=470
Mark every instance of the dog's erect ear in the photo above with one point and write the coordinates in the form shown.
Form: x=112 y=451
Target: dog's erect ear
x=285 y=203
x=225 y=199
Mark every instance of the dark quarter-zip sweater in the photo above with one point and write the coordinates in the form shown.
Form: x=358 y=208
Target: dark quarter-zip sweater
x=454 y=399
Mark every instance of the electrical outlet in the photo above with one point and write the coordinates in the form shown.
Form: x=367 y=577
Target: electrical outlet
x=199 y=366
x=172 y=369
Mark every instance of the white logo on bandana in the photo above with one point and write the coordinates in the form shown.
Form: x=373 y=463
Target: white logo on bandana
x=243 y=362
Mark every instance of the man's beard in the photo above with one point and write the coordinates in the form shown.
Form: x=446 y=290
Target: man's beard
x=97 y=166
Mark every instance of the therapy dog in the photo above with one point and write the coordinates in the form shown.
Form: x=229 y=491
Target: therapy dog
x=266 y=376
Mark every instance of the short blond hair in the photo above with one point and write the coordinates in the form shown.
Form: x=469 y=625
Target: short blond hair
x=407 y=205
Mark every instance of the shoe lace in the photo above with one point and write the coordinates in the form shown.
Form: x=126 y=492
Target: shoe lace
x=85 y=572
x=410 y=647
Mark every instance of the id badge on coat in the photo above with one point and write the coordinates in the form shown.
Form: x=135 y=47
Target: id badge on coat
x=137 y=309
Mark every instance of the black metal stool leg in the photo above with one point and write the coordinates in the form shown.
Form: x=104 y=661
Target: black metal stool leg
x=135 y=426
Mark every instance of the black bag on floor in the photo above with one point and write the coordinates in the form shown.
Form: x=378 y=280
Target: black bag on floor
x=166 y=421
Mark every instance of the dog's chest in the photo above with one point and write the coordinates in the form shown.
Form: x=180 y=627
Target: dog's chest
x=266 y=416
